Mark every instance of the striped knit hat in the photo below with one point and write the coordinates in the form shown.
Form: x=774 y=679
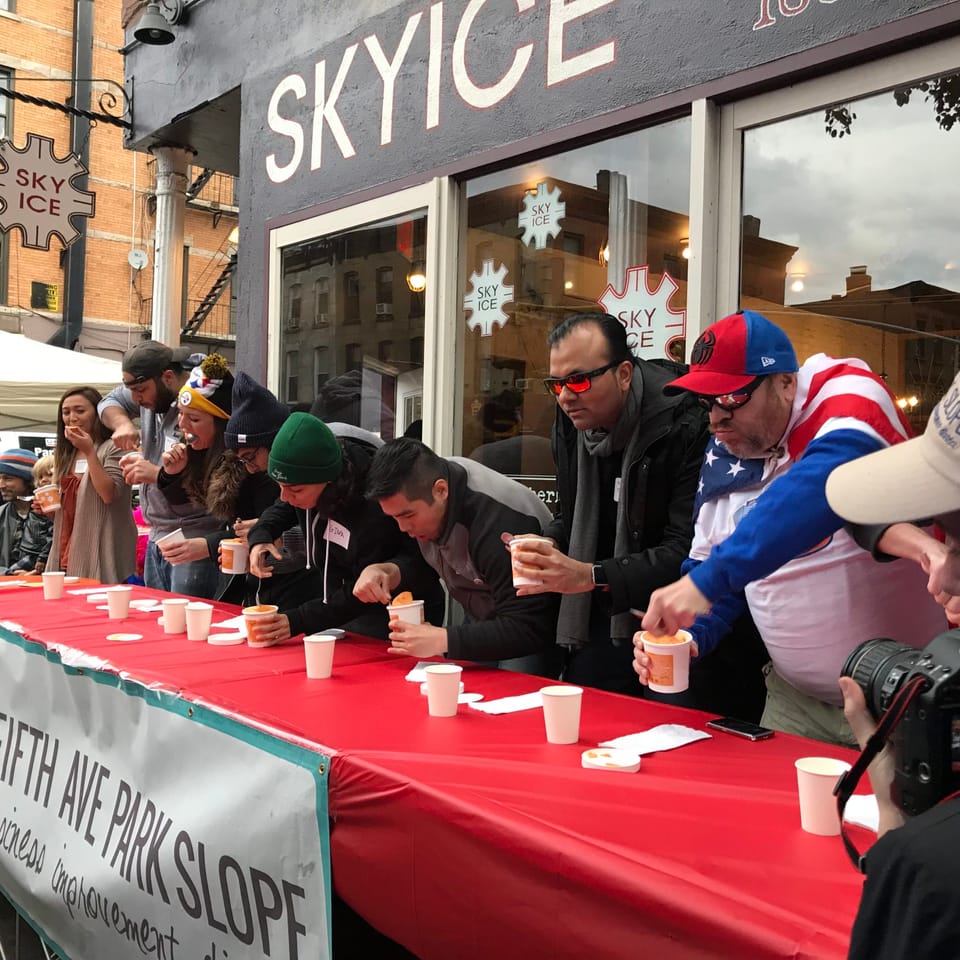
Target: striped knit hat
x=18 y=463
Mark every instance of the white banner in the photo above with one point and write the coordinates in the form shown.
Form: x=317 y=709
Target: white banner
x=134 y=824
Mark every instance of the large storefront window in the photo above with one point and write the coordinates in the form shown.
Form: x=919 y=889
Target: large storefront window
x=604 y=227
x=352 y=318
x=850 y=238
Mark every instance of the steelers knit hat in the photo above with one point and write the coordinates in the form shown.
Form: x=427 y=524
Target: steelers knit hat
x=209 y=388
x=305 y=451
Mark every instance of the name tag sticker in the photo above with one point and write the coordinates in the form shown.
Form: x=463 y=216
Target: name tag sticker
x=337 y=534
x=169 y=442
x=616 y=490
x=80 y=466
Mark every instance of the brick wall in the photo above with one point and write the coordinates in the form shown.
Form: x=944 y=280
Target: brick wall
x=37 y=42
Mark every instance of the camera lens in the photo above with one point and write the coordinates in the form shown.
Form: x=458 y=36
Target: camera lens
x=879 y=667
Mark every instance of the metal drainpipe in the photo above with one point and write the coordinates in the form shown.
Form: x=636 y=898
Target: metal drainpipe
x=75 y=256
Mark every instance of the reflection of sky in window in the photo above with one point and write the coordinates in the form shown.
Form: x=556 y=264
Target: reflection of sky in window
x=886 y=195
x=656 y=162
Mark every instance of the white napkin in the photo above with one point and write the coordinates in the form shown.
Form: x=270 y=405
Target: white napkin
x=83 y=591
x=526 y=701
x=230 y=624
x=417 y=675
x=664 y=737
x=862 y=810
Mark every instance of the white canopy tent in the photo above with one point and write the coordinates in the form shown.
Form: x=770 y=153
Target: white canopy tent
x=34 y=375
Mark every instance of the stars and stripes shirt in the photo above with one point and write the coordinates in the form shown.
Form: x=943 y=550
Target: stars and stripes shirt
x=764 y=534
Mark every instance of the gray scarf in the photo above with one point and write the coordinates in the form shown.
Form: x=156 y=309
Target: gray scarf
x=573 y=625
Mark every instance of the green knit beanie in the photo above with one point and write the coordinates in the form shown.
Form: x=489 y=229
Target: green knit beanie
x=305 y=451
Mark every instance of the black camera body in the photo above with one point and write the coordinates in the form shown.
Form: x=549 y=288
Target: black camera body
x=926 y=741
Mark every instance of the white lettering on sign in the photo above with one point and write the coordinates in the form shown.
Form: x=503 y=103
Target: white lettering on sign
x=787 y=8
x=37 y=194
x=563 y=64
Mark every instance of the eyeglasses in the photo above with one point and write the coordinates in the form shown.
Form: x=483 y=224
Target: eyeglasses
x=577 y=382
x=248 y=458
x=730 y=401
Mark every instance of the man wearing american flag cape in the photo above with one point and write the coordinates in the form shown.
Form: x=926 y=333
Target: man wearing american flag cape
x=764 y=533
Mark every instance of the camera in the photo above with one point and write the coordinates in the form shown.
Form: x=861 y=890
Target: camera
x=926 y=741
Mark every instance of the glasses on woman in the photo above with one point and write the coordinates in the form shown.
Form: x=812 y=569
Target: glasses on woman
x=248 y=458
x=577 y=382
x=730 y=401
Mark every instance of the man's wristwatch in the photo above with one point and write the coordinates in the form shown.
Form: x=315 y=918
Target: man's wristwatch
x=599 y=577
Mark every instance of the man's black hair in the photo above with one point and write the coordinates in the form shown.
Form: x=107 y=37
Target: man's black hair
x=614 y=332
x=405 y=466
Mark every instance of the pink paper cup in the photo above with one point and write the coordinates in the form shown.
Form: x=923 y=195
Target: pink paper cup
x=816 y=778
x=443 y=688
x=118 y=602
x=520 y=579
x=199 y=616
x=53 y=581
x=175 y=615
x=408 y=612
x=561 y=713
x=318 y=650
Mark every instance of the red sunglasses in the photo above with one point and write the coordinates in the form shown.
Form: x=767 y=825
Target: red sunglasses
x=577 y=382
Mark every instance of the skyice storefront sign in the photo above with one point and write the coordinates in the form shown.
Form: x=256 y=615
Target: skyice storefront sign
x=454 y=46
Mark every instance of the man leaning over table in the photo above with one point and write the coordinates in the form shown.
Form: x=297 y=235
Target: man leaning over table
x=765 y=534
x=153 y=374
x=627 y=463
x=456 y=510
x=322 y=480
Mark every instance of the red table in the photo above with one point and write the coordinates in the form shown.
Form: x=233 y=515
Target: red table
x=474 y=838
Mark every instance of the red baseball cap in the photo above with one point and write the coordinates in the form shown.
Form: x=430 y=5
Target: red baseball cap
x=731 y=353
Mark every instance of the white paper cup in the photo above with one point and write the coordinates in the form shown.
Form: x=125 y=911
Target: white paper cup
x=443 y=688
x=669 y=662
x=118 y=602
x=49 y=497
x=175 y=615
x=175 y=536
x=408 y=612
x=816 y=778
x=318 y=650
x=251 y=615
x=234 y=557
x=519 y=579
x=561 y=713
x=198 y=616
x=53 y=584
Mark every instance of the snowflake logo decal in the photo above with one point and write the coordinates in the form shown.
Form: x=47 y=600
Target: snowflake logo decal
x=37 y=193
x=541 y=215
x=652 y=324
x=487 y=297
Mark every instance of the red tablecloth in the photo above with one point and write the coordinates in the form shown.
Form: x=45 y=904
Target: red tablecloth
x=474 y=838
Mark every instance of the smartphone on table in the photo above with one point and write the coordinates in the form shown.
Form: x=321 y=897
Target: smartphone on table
x=740 y=728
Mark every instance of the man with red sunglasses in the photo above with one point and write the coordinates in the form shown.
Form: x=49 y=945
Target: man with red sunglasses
x=764 y=533
x=627 y=464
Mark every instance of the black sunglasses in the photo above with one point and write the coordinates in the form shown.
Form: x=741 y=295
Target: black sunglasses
x=136 y=382
x=577 y=382
x=730 y=401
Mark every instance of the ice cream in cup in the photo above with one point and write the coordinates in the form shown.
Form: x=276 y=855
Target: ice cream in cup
x=48 y=496
x=404 y=607
x=234 y=556
x=254 y=615
x=521 y=579
x=669 y=661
